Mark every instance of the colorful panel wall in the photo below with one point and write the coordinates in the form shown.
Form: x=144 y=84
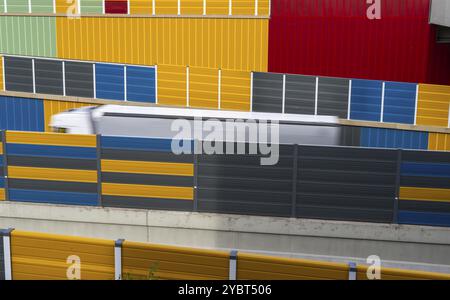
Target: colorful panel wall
x=234 y=44
x=41 y=256
x=52 y=168
x=425 y=189
x=366 y=100
x=144 y=173
x=392 y=138
x=109 y=81
x=21 y=114
x=52 y=107
x=433 y=105
x=25 y=35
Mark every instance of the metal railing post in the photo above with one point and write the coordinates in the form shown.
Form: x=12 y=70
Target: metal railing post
x=118 y=259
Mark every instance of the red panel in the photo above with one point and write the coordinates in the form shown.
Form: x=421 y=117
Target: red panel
x=335 y=38
x=116 y=6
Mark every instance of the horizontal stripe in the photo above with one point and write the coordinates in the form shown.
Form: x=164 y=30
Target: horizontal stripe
x=424 y=218
x=132 y=143
x=139 y=155
x=424 y=206
x=51 y=151
x=144 y=179
x=148 y=191
x=424 y=169
x=62 y=186
x=425 y=194
x=53 y=197
x=51 y=162
x=53 y=139
x=147 y=203
x=52 y=174
x=142 y=167
x=425 y=182
x=2 y=194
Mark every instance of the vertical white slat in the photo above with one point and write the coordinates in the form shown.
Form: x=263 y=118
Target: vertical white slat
x=416 y=105
x=79 y=7
x=187 y=86
x=5 y=6
x=349 y=99
x=230 y=7
x=103 y=7
x=256 y=7
x=118 y=259
x=316 y=99
x=29 y=7
x=179 y=7
x=204 y=7
x=352 y=269
x=283 y=109
x=94 y=81
x=153 y=7
x=383 y=91
x=34 y=76
x=64 y=77
x=233 y=265
x=128 y=6
x=156 y=84
x=7 y=257
x=54 y=6
x=251 y=91
x=125 y=96
x=219 y=89
x=270 y=8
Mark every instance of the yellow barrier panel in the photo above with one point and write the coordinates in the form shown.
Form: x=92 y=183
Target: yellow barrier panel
x=178 y=263
x=172 y=81
x=145 y=167
x=64 y=6
x=2 y=194
x=433 y=105
x=148 y=191
x=217 y=7
x=243 y=7
x=67 y=175
x=261 y=267
x=397 y=274
x=192 y=7
x=166 y=7
x=425 y=194
x=141 y=7
x=439 y=142
x=49 y=256
x=235 y=90
x=52 y=107
x=1 y=74
x=51 y=139
x=203 y=88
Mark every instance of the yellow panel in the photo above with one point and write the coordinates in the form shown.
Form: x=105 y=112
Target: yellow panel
x=171 y=262
x=141 y=7
x=191 y=7
x=235 y=90
x=217 y=7
x=63 y=7
x=425 y=194
x=52 y=174
x=1 y=73
x=144 y=167
x=439 y=142
x=203 y=88
x=148 y=191
x=433 y=105
x=2 y=194
x=243 y=7
x=51 y=139
x=166 y=7
x=398 y=274
x=52 y=107
x=172 y=85
x=261 y=267
x=263 y=7
x=1 y=148
x=232 y=44
x=44 y=256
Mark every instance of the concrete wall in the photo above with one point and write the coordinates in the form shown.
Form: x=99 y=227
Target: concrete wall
x=412 y=247
x=440 y=12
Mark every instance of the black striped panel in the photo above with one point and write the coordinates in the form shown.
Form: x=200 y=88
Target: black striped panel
x=425 y=156
x=139 y=155
x=45 y=185
x=424 y=206
x=50 y=162
x=147 y=203
x=426 y=182
x=146 y=179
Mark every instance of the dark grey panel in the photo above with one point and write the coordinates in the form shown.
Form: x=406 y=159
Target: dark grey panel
x=426 y=182
x=338 y=213
x=350 y=136
x=127 y=178
x=424 y=206
x=62 y=186
x=2 y=171
x=59 y=163
x=136 y=155
x=300 y=94
x=79 y=79
x=2 y=260
x=147 y=203
x=333 y=97
x=267 y=92
x=48 y=76
x=18 y=74
x=425 y=156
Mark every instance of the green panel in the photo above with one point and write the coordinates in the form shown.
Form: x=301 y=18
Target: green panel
x=17 y=6
x=2 y=7
x=26 y=35
x=91 y=6
x=42 y=6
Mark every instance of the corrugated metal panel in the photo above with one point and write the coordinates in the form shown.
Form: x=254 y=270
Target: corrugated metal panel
x=2 y=7
x=399 y=102
x=34 y=36
x=392 y=138
x=332 y=98
x=21 y=114
x=433 y=105
x=203 y=88
x=141 y=83
x=235 y=90
x=18 y=6
x=267 y=92
x=300 y=94
x=350 y=136
x=79 y=79
x=243 y=7
x=172 y=81
x=18 y=74
x=141 y=7
x=264 y=7
x=64 y=7
x=217 y=7
x=110 y=82
x=91 y=6
x=1 y=74
x=52 y=107
x=234 y=44
x=366 y=100
x=42 y=6
x=48 y=77
x=192 y=7
x=39 y=256
x=439 y=142
x=398 y=47
x=346 y=184
x=116 y=6
x=166 y=7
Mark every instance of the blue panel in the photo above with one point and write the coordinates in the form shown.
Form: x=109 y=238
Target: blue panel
x=110 y=81
x=2 y=182
x=53 y=197
x=399 y=102
x=424 y=218
x=425 y=169
x=1 y=160
x=21 y=114
x=366 y=100
x=141 y=84
x=51 y=151
x=163 y=145
x=392 y=138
